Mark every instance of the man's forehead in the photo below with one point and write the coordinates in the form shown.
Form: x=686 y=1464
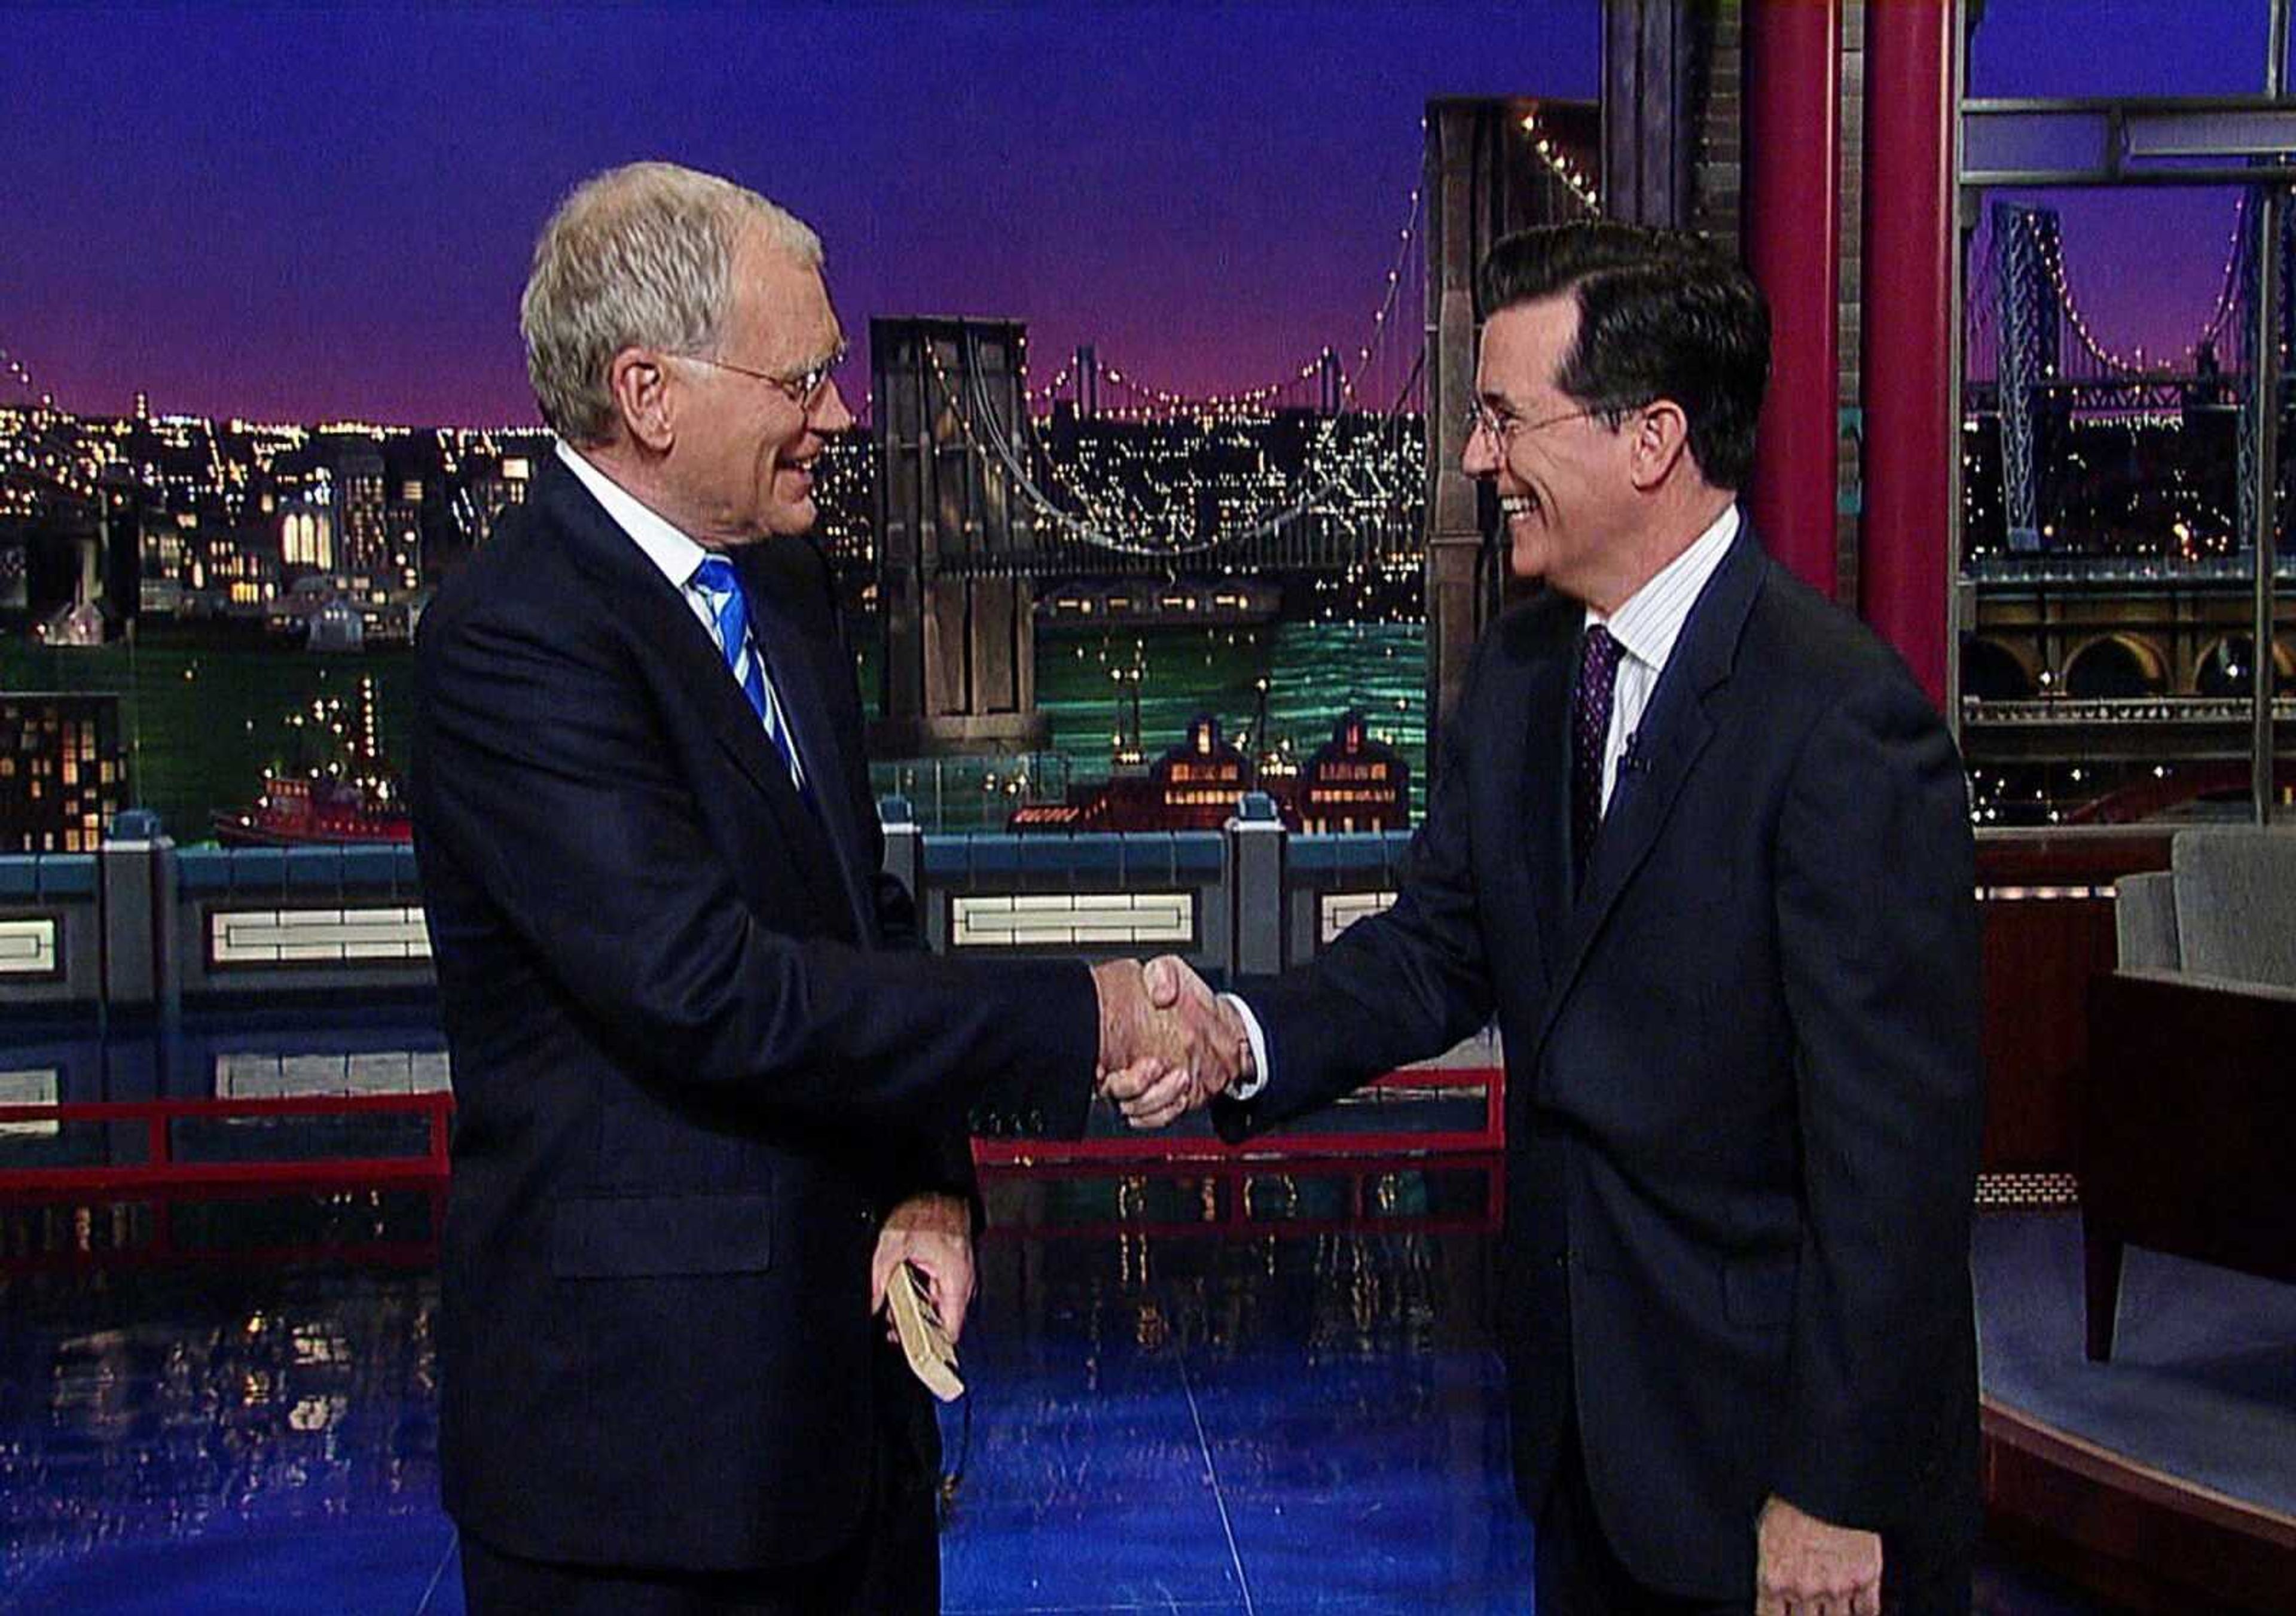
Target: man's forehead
x=1523 y=344
x=787 y=294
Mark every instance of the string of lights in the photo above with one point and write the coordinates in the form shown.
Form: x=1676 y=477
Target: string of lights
x=2053 y=260
x=1114 y=506
x=2133 y=364
x=1096 y=521
x=1156 y=402
x=1048 y=393
x=1323 y=478
x=1251 y=402
x=22 y=377
x=1086 y=529
x=1558 y=163
x=2229 y=293
x=39 y=452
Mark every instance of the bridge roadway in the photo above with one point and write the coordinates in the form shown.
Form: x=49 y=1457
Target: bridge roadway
x=2143 y=729
x=1312 y=545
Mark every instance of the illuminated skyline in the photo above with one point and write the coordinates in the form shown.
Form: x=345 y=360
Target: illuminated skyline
x=309 y=214
x=303 y=216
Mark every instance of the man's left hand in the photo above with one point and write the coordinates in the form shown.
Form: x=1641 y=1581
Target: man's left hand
x=1808 y=1567
x=935 y=1233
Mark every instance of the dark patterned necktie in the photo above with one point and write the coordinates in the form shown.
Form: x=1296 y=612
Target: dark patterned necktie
x=1590 y=729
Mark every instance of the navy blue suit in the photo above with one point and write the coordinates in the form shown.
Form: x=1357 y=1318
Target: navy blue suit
x=692 y=1066
x=1743 y=1086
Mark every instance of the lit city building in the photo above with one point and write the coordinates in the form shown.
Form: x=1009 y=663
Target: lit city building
x=63 y=773
x=365 y=551
x=220 y=516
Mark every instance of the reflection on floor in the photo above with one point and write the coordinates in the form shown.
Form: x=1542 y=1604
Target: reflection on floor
x=1250 y=1420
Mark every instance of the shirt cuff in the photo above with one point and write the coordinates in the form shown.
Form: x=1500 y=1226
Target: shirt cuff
x=1248 y=1088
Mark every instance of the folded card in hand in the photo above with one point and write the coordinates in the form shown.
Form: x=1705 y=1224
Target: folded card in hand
x=932 y=1354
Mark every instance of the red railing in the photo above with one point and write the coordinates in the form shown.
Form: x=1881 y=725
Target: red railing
x=1361 y=1160
x=162 y=1167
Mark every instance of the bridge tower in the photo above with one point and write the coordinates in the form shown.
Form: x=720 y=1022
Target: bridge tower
x=1087 y=382
x=958 y=672
x=1485 y=177
x=2251 y=273
x=2025 y=241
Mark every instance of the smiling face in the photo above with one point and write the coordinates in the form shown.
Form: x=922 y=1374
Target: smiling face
x=1565 y=478
x=742 y=458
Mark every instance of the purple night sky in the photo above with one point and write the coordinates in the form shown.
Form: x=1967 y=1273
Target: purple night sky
x=300 y=214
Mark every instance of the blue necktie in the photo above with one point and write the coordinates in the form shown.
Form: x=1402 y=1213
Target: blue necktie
x=716 y=579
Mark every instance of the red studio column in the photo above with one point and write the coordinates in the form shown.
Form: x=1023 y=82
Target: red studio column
x=1904 y=589
x=1793 y=218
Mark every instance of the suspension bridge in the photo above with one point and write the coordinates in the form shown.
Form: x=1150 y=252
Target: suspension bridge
x=1099 y=470
x=2038 y=361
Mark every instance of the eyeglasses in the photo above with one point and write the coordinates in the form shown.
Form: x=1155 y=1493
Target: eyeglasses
x=1506 y=429
x=804 y=390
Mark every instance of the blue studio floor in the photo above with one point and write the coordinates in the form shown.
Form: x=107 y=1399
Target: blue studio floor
x=231 y=1410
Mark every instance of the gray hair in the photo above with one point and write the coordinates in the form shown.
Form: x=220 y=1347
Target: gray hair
x=638 y=257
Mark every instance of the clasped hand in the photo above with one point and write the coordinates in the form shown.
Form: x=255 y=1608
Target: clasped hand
x=1167 y=1043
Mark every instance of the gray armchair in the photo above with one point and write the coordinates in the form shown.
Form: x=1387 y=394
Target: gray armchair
x=2188 y=1125
x=2226 y=907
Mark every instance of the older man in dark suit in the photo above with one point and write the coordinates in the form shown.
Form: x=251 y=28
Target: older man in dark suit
x=1701 y=846
x=705 y=1104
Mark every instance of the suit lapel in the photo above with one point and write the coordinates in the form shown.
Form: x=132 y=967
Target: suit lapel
x=1543 y=794
x=798 y=678
x=636 y=592
x=1674 y=731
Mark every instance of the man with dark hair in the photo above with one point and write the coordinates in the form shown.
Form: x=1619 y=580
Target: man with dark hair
x=1701 y=846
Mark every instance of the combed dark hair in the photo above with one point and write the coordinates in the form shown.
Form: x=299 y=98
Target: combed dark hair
x=1662 y=314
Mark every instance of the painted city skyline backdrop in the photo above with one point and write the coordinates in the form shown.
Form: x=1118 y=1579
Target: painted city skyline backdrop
x=295 y=214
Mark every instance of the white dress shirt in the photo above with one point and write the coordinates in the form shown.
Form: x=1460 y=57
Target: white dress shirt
x=1646 y=627
x=678 y=558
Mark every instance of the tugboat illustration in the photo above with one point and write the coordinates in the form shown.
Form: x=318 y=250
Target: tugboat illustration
x=344 y=805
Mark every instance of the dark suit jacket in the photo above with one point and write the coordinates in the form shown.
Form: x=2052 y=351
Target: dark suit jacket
x=690 y=1075
x=1744 y=1088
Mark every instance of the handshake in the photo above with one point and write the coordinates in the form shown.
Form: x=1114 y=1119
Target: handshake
x=1168 y=1044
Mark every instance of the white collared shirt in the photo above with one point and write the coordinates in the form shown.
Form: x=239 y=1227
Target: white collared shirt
x=677 y=558
x=1646 y=627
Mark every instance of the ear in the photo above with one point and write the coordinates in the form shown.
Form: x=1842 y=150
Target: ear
x=1661 y=440
x=639 y=383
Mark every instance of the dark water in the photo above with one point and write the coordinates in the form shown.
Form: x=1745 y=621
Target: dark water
x=201 y=724
x=1314 y=672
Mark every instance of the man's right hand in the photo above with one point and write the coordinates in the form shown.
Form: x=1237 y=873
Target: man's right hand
x=1808 y=1567
x=1167 y=1043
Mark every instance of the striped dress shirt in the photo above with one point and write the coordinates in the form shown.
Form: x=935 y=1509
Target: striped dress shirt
x=1646 y=627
